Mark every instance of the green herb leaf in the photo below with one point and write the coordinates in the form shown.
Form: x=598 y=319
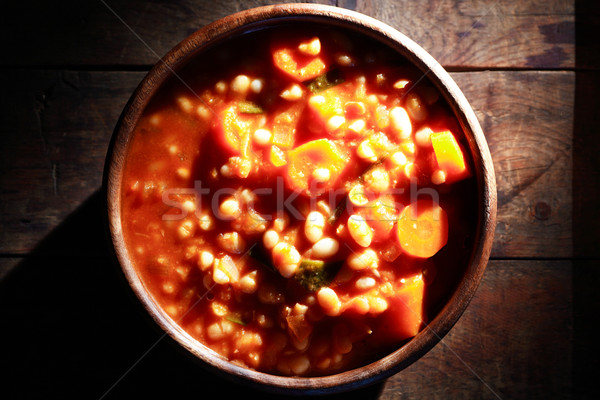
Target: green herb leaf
x=325 y=81
x=248 y=107
x=315 y=274
x=235 y=318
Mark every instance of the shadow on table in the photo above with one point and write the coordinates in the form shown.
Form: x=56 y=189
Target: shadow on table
x=586 y=193
x=71 y=327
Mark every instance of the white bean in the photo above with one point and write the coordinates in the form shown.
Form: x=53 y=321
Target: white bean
x=360 y=230
x=365 y=283
x=325 y=248
x=270 y=239
x=314 y=225
x=230 y=208
x=363 y=260
x=400 y=123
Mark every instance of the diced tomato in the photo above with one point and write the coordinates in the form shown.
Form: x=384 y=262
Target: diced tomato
x=405 y=315
x=234 y=130
x=297 y=65
x=381 y=215
x=285 y=124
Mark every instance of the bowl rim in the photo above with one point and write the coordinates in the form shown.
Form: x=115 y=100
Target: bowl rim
x=256 y=18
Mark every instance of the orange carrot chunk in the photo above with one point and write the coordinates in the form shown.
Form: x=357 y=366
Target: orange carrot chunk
x=422 y=229
x=322 y=156
x=449 y=156
x=404 y=317
x=297 y=65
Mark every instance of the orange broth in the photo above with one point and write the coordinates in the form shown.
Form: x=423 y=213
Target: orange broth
x=262 y=201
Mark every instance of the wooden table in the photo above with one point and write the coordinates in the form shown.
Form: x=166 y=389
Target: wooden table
x=71 y=329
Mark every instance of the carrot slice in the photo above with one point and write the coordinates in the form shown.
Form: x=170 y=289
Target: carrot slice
x=422 y=229
x=404 y=316
x=449 y=156
x=297 y=65
x=311 y=156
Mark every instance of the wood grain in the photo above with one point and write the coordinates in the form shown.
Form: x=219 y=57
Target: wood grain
x=519 y=349
x=500 y=347
x=54 y=135
x=464 y=33
x=528 y=120
x=55 y=138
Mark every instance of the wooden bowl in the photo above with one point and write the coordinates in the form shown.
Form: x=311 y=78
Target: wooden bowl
x=270 y=16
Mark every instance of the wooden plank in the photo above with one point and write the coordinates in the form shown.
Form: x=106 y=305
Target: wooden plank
x=56 y=133
x=513 y=342
x=76 y=331
x=459 y=33
x=482 y=33
x=528 y=121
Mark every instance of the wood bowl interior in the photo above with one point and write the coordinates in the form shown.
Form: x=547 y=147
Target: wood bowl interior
x=270 y=16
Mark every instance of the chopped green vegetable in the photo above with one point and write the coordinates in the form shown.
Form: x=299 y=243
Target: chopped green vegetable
x=337 y=213
x=325 y=81
x=248 y=107
x=315 y=274
x=235 y=318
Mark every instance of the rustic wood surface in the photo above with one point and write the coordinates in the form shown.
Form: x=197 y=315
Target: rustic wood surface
x=72 y=330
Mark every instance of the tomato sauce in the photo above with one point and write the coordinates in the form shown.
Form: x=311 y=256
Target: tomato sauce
x=303 y=203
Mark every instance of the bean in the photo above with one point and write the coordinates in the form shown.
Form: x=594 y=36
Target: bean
x=300 y=364
x=270 y=239
x=344 y=60
x=183 y=173
x=311 y=47
x=240 y=84
x=377 y=305
x=366 y=151
x=221 y=87
x=185 y=104
x=314 y=225
x=232 y=242
x=219 y=309
x=335 y=122
x=357 y=126
x=230 y=208
x=399 y=159
x=377 y=180
x=262 y=136
x=257 y=85
x=357 y=195
x=205 y=260
x=329 y=301
x=325 y=248
x=186 y=229
x=365 y=283
x=415 y=107
x=423 y=137
x=248 y=283
x=363 y=260
x=292 y=93
x=359 y=230
x=286 y=259
x=400 y=123
x=438 y=177
x=321 y=174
